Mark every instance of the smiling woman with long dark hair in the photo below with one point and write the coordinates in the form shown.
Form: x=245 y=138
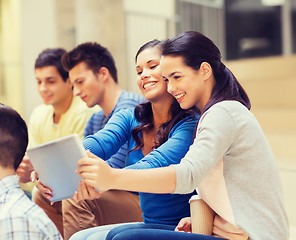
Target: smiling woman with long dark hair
x=159 y=133
x=230 y=161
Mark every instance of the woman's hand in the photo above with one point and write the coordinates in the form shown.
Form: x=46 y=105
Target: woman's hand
x=85 y=192
x=184 y=225
x=95 y=172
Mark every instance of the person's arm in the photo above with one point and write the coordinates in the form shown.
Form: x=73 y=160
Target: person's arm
x=107 y=141
x=117 y=160
x=97 y=173
x=94 y=125
x=171 y=151
x=25 y=169
x=213 y=139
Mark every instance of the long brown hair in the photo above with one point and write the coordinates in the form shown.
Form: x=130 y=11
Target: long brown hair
x=144 y=113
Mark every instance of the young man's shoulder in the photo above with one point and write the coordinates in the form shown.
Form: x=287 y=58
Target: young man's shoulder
x=129 y=99
x=18 y=210
x=42 y=108
x=16 y=203
x=33 y=219
x=78 y=112
x=41 y=112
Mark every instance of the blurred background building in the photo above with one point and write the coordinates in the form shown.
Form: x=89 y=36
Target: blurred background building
x=257 y=39
x=240 y=28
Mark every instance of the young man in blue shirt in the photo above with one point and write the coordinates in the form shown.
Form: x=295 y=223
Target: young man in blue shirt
x=93 y=74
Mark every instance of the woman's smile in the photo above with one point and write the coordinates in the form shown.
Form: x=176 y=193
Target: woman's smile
x=180 y=96
x=149 y=84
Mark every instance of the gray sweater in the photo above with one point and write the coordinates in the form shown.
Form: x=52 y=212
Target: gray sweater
x=233 y=167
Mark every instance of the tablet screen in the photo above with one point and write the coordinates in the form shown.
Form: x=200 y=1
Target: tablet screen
x=55 y=163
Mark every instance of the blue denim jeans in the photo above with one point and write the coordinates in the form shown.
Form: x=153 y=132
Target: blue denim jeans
x=146 y=231
x=98 y=233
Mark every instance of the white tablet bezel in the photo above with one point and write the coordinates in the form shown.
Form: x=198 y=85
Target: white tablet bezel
x=56 y=162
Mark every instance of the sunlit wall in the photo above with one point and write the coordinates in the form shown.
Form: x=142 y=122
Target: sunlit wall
x=10 y=54
x=29 y=26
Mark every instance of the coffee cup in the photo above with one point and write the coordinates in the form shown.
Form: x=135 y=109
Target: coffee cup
x=202 y=216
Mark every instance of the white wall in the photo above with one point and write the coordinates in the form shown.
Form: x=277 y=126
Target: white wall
x=44 y=24
x=145 y=21
x=10 y=57
x=163 y=8
x=38 y=33
x=103 y=22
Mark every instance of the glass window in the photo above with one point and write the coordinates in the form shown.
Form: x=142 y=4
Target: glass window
x=293 y=6
x=242 y=28
x=253 y=29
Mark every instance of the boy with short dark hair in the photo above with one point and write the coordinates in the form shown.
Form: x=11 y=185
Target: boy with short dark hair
x=20 y=218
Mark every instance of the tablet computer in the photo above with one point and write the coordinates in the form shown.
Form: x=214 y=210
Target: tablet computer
x=55 y=163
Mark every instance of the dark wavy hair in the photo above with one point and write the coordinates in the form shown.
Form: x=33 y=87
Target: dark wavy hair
x=13 y=137
x=93 y=55
x=144 y=113
x=195 y=48
x=52 y=57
